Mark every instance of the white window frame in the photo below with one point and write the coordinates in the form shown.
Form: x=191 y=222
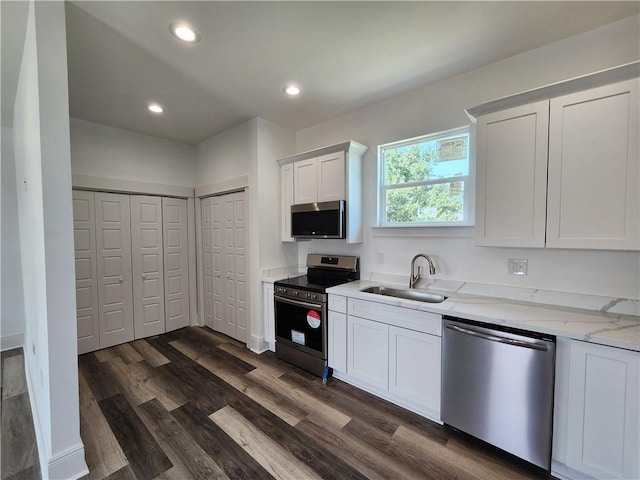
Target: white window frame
x=469 y=181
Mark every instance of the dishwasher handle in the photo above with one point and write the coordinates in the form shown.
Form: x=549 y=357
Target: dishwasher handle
x=498 y=338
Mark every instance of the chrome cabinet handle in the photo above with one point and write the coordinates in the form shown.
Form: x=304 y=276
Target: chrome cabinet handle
x=498 y=338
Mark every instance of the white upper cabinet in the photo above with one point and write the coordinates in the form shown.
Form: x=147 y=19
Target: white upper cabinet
x=511 y=156
x=563 y=171
x=324 y=175
x=593 y=199
x=286 y=200
x=320 y=179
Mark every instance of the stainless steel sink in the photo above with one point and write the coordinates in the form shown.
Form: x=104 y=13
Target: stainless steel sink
x=408 y=294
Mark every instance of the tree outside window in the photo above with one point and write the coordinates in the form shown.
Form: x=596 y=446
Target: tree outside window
x=423 y=180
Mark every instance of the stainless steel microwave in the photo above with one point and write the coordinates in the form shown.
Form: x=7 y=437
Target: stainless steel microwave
x=319 y=220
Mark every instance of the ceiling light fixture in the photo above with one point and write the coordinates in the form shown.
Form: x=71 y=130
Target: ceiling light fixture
x=184 y=32
x=155 y=108
x=292 y=90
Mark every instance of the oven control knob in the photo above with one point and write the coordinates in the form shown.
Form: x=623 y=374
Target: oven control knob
x=312 y=296
x=295 y=292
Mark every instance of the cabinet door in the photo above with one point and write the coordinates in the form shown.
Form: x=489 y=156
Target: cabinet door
x=368 y=351
x=84 y=236
x=286 y=200
x=603 y=438
x=593 y=169
x=414 y=368
x=511 y=182
x=337 y=341
x=176 y=256
x=115 y=297
x=269 y=315
x=331 y=177
x=305 y=181
x=147 y=259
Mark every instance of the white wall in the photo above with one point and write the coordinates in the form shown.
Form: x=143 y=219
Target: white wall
x=441 y=106
x=102 y=151
x=43 y=171
x=12 y=313
x=227 y=155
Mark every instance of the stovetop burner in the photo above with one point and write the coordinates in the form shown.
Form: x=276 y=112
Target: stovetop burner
x=324 y=271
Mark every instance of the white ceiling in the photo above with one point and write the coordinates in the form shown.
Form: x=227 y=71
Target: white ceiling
x=344 y=55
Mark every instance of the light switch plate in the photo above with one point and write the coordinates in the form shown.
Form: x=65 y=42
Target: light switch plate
x=517 y=266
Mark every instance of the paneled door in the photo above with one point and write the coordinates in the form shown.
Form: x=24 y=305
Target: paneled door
x=84 y=235
x=147 y=264
x=176 y=255
x=113 y=235
x=228 y=265
x=207 y=262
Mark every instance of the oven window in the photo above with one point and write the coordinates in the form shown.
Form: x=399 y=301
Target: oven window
x=300 y=325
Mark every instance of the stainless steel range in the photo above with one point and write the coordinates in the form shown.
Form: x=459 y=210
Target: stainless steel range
x=301 y=310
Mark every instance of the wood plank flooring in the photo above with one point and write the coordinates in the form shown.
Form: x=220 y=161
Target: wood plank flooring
x=194 y=404
x=19 y=451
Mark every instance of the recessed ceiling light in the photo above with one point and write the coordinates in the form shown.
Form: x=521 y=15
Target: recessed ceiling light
x=155 y=108
x=184 y=32
x=292 y=90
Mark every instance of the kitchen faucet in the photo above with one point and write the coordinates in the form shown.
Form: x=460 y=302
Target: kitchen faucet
x=413 y=279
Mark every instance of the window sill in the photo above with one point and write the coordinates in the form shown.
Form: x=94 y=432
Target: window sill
x=458 y=231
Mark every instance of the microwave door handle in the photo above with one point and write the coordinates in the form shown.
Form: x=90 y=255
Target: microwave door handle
x=312 y=306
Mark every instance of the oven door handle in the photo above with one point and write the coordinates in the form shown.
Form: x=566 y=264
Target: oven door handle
x=311 y=306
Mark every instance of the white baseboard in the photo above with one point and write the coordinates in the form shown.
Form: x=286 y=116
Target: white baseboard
x=12 y=341
x=68 y=464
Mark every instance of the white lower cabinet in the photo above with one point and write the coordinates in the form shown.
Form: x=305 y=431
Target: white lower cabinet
x=390 y=351
x=269 y=316
x=337 y=339
x=414 y=367
x=597 y=429
x=368 y=351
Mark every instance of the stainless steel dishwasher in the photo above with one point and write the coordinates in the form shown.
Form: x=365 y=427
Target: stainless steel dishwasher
x=497 y=385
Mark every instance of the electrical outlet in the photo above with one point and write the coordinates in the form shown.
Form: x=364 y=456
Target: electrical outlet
x=517 y=266
x=380 y=257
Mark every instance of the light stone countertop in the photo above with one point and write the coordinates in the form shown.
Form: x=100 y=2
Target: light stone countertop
x=612 y=329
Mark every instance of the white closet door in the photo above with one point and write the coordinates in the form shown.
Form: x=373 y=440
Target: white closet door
x=113 y=235
x=230 y=322
x=176 y=254
x=217 y=263
x=84 y=234
x=147 y=265
x=228 y=264
x=207 y=262
x=240 y=260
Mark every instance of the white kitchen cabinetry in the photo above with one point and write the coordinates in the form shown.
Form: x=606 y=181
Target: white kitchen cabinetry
x=286 y=200
x=390 y=351
x=414 y=367
x=603 y=423
x=593 y=191
x=337 y=333
x=511 y=185
x=368 y=351
x=320 y=179
x=322 y=175
x=586 y=143
x=269 y=315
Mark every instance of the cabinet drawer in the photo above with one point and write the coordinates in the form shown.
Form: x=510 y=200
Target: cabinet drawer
x=419 y=321
x=338 y=303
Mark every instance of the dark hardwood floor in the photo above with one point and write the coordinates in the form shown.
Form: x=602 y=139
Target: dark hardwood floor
x=196 y=404
x=193 y=404
x=18 y=443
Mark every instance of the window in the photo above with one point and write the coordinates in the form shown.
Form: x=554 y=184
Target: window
x=425 y=181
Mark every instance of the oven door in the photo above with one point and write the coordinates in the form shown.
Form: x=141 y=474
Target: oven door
x=302 y=325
